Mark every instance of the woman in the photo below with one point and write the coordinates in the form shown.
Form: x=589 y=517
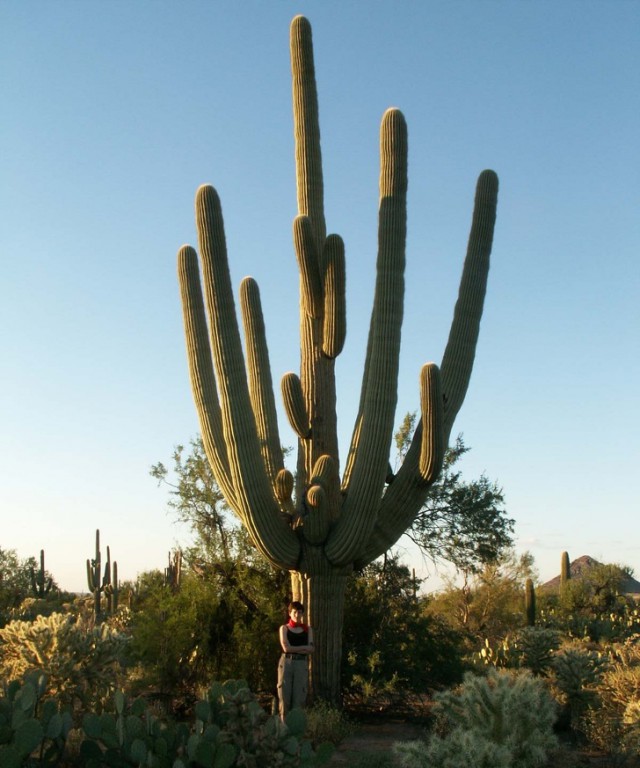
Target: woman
x=296 y=639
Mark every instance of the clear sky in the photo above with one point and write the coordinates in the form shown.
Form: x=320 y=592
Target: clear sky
x=113 y=113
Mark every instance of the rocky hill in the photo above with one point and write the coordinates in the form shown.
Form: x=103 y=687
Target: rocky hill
x=580 y=566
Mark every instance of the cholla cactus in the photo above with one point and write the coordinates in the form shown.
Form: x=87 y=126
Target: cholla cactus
x=631 y=722
x=577 y=673
x=329 y=523
x=534 y=647
x=503 y=720
x=79 y=662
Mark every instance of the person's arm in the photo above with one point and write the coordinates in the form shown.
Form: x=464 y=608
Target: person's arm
x=309 y=648
x=284 y=642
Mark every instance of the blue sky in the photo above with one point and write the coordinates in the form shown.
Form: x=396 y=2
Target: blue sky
x=114 y=113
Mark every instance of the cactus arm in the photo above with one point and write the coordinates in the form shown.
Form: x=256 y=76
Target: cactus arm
x=260 y=382
x=317 y=375
x=322 y=497
x=355 y=438
x=334 y=329
x=311 y=300
x=371 y=457
x=409 y=491
x=316 y=520
x=106 y=579
x=254 y=497
x=310 y=186
x=283 y=486
x=325 y=474
x=115 y=587
x=203 y=383
x=459 y=354
x=432 y=443
x=90 y=581
x=294 y=404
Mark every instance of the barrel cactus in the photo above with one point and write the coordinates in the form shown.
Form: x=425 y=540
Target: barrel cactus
x=325 y=522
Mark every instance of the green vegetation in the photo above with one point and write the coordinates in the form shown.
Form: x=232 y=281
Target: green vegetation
x=403 y=649
x=502 y=720
x=462 y=523
x=329 y=519
x=33 y=729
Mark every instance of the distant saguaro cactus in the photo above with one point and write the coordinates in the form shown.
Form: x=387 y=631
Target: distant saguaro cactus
x=99 y=583
x=328 y=524
x=565 y=569
x=40 y=584
x=173 y=571
x=529 y=603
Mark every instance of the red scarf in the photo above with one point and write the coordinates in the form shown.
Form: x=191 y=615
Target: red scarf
x=293 y=624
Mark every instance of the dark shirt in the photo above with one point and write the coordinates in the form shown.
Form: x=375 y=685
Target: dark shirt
x=297 y=638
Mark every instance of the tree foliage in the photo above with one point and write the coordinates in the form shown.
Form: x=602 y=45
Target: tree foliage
x=391 y=643
x=230 y=598
x=462 y=522
x=488 y=604
x=15 y=582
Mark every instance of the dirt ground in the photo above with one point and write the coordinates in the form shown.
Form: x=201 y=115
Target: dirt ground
x=374 y=739
x=370 y=746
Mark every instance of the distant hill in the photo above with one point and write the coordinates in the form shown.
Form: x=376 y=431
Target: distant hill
x=579 y=567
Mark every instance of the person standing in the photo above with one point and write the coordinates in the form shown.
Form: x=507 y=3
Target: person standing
x=296 y=640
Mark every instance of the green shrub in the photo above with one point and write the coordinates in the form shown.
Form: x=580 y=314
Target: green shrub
x=391 y=641
x=612 y=726
x=202 y=632
x=502 y=720
x=80 y=663
x=326 y=723
x=530 y=647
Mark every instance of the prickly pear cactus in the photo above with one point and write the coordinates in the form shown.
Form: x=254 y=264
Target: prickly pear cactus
x=30 y=723
x=230 y=729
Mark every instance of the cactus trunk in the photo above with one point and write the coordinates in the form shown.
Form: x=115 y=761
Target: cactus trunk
x=327 y=524
x=323 y=593
x=565 y=569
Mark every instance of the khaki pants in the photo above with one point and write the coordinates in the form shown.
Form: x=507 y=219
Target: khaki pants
x=293 y=679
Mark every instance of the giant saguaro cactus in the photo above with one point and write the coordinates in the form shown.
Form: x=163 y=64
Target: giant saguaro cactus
x=328 y=523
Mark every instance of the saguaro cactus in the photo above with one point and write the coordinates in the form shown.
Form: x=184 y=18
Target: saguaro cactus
x=529 y=603
x=173 y=571
x=328 y=524
x=99 y=582
x=565 y=569
x=40 y=584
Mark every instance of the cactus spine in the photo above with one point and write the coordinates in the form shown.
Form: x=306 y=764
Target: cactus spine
x=328 y=524
x=40 y=584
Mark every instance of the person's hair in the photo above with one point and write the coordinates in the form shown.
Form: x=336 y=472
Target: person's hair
x=295 y=605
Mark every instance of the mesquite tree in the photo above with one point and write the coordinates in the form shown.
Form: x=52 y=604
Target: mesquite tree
x=328 y=524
